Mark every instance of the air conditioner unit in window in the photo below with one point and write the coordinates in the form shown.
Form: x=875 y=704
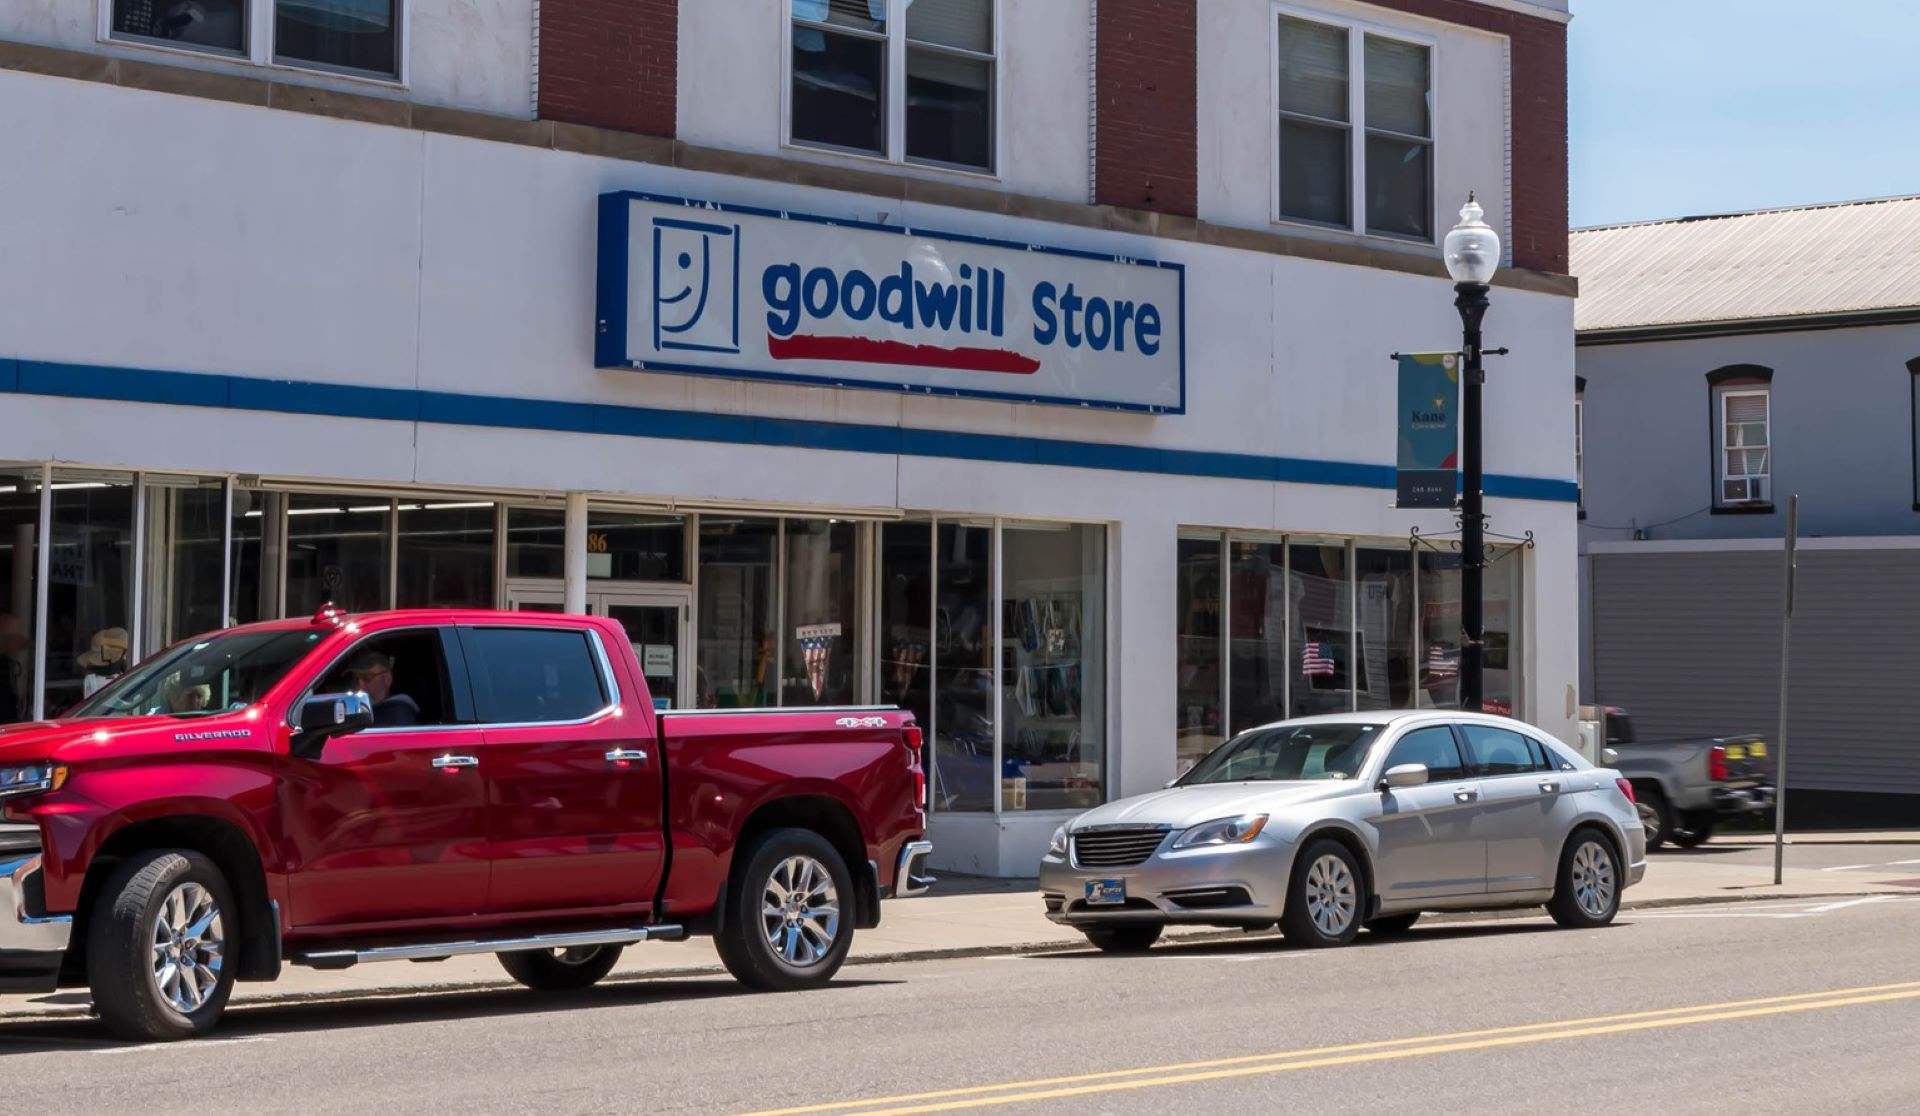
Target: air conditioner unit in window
x=1744 y=490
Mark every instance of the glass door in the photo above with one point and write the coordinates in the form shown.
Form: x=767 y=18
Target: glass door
x=656 y=624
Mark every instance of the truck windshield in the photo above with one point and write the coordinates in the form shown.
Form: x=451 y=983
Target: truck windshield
x=203 y=676
x=1287 y=754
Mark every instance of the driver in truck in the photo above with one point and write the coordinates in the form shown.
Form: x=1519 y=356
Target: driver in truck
x=372 y=672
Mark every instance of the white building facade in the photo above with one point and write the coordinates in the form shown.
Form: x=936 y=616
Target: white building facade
x=892 y=367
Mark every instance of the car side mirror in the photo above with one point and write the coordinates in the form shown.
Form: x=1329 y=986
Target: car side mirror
x=1405 y=775
x=325 y=716
x=1609 y=757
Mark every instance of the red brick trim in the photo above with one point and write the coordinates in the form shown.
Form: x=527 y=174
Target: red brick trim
x=1146 y=106
x=611 y=64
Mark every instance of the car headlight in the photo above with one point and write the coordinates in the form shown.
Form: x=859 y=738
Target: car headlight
x=1223 y=831
x=32 y=778
x=1058 y=846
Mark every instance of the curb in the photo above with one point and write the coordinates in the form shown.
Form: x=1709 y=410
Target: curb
x=1199 y=936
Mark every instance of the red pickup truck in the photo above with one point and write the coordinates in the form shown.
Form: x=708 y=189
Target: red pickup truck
x=417 y=785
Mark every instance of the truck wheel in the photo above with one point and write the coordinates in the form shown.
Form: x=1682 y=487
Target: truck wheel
x=788 y=908
x=1694 y=829
x=1586 y=891
x=1123 y=939
x=160 y=951
x=1655 y=814
x=560 y=970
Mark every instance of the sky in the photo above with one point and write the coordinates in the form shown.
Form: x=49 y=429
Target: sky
x=1684 y=107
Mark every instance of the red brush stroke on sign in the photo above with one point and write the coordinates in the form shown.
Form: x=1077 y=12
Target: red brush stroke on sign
x=867 y=350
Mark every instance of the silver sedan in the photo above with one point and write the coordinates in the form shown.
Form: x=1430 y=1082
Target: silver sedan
x=1325 y=825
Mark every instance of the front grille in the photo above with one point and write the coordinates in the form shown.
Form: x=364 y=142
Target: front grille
x=1116 y=848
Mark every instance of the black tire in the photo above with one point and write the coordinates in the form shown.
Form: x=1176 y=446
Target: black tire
x=1586 y=892
x=1341 y=891
x=121 y=943
x=1393 y=926
x=1123 y=939
x=561 y=970
x=744 y=943
x=1655 y=814
x=1695 y=827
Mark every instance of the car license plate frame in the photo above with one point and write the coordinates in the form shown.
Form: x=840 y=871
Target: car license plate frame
x=1106 y=893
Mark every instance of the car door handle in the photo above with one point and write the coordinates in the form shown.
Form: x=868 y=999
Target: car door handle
x=456 y=762
x=626 y=755
x=1549 y=788
x=1466 y=796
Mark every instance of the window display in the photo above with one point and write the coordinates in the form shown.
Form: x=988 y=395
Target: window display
x=1384 y=656
x=1200 y=685
x=822 y=624
x=1258 y=648
x=1322 y=639
x=963 y=773
x=736 y=656
x=1053 y=657
x=89 y=584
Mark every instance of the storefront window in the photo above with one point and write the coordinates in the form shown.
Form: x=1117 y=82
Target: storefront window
x=635 y=547
x=1053 y=641
x=1199 y=684
x=1322 y=635
x=536 y=543
x=906 y=618
x=90 y=575
x=1258 y=602
x=259 y=536
x=186 y=531
x=821 y=613
x=446 y=553
x=19 y=565
x=1440 y=629
x=964 y=777
x=337 y=552
x=1384 y=669
x=736 y=653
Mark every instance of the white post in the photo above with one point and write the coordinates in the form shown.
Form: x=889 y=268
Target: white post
x=1780 y=743
x=575 y=590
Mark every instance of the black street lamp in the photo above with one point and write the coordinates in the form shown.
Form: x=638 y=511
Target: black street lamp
x=1473 y=254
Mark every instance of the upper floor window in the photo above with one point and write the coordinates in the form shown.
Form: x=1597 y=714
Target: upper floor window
x=905 y=80
x=1327 y=77
x=1745 y=437
x=355 y=37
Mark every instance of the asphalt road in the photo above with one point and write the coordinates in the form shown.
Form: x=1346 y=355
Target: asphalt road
x=1804 y=1006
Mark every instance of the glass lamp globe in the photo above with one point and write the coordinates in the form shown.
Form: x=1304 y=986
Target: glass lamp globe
x=1472 y=248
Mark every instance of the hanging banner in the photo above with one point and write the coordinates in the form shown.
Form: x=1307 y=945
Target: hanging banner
x=1429 y=429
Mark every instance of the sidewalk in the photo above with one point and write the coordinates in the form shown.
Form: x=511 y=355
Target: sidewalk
x=970 y=917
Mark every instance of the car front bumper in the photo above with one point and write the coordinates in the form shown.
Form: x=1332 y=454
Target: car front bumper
x=1241 y=885
x=32 y=943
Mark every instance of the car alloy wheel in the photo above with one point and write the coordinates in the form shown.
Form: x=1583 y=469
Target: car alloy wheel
x=189 y=947
x=800 y=910
x=1332 y=896
x=1593 y=879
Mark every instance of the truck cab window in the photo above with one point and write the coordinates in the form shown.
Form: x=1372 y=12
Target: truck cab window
x=534 y=675
x=404 y=672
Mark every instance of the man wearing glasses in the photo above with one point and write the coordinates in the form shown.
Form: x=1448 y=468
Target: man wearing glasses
x=372 y=673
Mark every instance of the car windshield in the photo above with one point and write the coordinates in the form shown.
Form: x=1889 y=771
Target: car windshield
x=204 y=676
x=1287 y=753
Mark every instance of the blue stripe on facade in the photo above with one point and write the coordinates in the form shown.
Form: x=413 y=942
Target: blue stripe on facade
x=246 y=393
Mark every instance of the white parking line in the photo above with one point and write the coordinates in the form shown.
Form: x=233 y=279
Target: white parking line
x=1848 y=867
x=200 y=1045
x=1898 y=863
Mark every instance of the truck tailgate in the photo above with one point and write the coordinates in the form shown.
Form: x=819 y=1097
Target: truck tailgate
x=1749 y=761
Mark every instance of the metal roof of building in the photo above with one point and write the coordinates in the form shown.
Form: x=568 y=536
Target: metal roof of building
x=1817 y=260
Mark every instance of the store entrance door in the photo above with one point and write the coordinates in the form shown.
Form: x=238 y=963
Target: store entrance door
x=654 y=618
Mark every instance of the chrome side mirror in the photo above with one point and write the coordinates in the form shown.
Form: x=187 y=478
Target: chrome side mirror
x=1405 y=775
x=324 y=716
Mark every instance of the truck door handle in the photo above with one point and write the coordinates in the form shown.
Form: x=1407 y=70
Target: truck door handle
x=1465 y=795
x=455 y=762
x=626 y=755
x=1549 y=788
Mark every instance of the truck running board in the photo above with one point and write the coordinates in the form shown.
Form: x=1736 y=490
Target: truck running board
x=440 y=951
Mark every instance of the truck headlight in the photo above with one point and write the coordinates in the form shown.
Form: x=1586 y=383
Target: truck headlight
x=1223 y=831
x=33 y=778
x=1058 y=846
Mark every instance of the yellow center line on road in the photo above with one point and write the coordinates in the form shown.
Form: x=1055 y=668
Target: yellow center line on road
x=1053 y=1088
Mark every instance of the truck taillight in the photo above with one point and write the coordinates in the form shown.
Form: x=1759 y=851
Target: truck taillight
x=1626 y=788
x=914 y=741
x=1717 y=764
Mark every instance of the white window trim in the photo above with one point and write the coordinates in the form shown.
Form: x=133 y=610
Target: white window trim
x=895 y=156
x=1721 y=475
x=1357 y=32
x=259 y=53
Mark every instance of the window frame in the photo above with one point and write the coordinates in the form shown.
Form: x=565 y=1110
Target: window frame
x=1475 y=766
x=1721 y=448
x=452 y=656
x=260 y=48
x=1357 y=31
x=895 y=45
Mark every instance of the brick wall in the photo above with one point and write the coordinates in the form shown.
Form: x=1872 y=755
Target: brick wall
x=610 y=63
x=1539 y=203
x=1146 y=131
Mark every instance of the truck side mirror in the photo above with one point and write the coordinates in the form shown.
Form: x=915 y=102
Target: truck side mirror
x=324 y=716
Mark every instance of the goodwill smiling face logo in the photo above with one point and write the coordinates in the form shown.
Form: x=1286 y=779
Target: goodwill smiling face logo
x=928 y=311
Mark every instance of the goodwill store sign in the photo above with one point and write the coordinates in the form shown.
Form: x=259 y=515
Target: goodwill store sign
x=690 y=286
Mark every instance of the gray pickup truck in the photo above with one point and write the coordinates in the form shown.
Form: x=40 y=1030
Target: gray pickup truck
x=1684 y=787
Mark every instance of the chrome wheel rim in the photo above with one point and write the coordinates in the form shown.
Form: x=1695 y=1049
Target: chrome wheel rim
x=800 y=911
x=1332 y=898
x=189 y=948
x=1593 y=884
